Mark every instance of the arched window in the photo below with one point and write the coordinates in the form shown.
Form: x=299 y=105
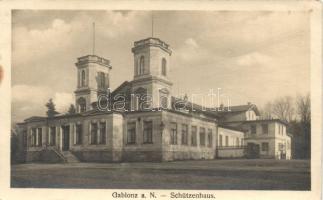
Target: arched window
x=164 y=67
x=83 y=78
x=142 y=65
x=82 y=104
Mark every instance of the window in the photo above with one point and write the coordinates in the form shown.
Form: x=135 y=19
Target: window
x=241 y=141
x=102 y=138
x=264 y=128
x=253 y=129
x=78 y=133
x=163 y=101
x=83 y=78
x=184 y=134
x=281 y=147
x=226 y=141
x=202 y=136
x=164 y=67
x=142 y=65
x=94 y=133
x=173 y=133
x=39 y=140
x=194 y=136
x=237 y=142
x=264 y=146
x=52 y=136
x=148 y=132
x=33 y=137
x=101 y=80
x=131 y=136
x=82 y=104
x=220 y=141
x=209 y=138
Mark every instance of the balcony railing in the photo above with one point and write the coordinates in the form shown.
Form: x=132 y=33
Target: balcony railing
x=93 y=58
x=155 y=41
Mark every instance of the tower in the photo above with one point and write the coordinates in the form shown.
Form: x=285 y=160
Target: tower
x=151 y=71
x=92 y=80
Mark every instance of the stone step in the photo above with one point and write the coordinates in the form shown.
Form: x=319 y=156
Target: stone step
x=70 y=157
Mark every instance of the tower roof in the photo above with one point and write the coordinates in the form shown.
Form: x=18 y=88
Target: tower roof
x=93 y=59
x=151 y=41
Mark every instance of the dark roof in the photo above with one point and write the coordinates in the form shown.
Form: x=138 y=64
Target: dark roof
x=231 y=128
x=240 y=108
x=124 y=84
x=194 y=107
x=35 y=118
x=257 y=120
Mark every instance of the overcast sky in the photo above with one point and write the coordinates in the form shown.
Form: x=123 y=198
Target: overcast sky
x=253 y=56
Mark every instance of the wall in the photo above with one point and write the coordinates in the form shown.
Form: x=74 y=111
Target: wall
x=232 y=136
x=139 y=151
x=230 y=152
x=233 y=149
x=180 y=151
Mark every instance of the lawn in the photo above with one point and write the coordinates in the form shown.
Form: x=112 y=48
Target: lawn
x=205 y=174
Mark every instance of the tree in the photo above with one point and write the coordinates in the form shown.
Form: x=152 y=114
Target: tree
x=71 y=110
x=304 y=113
x=51 y=110
x=282 y=108
x=14 y=147
x=304 y=108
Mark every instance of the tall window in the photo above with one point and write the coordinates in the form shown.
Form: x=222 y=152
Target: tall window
x=163 y=100
x=226 y=141
x=78 y=133
x=220 y=141
x=52 y=135
x=83 y=78
x=39 y=133
x=264 y=146
x=131 y=136
x=194 y=136
x=173 y=133
x=142 y=65
x=264 y=128
x=209 y=138
x=237 y=142
x=82 y=104
x=94 y=133
x=164 y=67
x=253 y=129
x=148 y=132
x=202 y=136
x=102 y=139
x=184 y=134
x=101 y=80
x=33 y=137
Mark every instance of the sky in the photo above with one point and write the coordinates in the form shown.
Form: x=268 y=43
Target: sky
x=252 y=56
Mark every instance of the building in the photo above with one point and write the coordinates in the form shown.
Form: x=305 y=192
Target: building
x=140 y=120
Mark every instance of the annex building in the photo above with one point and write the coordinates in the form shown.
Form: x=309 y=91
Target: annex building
x=135 y=129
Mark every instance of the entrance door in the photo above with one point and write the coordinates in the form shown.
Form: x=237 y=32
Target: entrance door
x=253 y=150
x=66 y=138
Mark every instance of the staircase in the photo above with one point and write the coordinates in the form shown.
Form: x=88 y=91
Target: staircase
x=69 y=157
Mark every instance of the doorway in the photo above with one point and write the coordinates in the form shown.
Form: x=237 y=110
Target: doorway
x=253 y=150
x=66 y=138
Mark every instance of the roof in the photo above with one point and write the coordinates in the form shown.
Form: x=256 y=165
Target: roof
x=194 y=107
x=231 y=128
x=257 y=120
x=240 y=108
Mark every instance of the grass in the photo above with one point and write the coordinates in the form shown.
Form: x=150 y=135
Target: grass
x=207 y=174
